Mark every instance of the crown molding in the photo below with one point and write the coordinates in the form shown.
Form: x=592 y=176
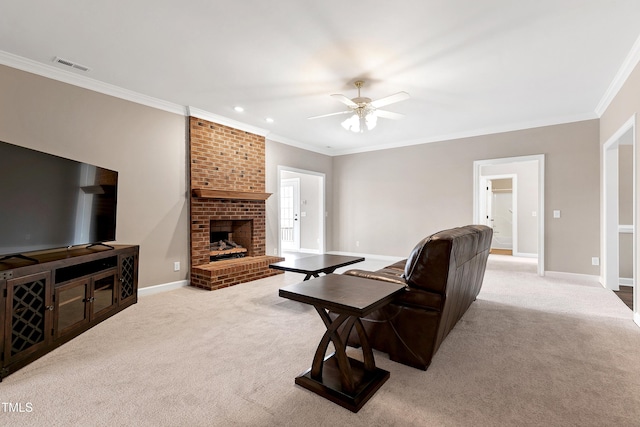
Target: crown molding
x=64 y=76
x=55 y=73
x=470 y=134
x=52 y=72
x=628 y=65
x=225 y=121
x=308 y=147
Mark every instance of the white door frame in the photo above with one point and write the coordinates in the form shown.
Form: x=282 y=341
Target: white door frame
x=539 y=158
x=610 y=226
x=322 y=204
x=484 y=209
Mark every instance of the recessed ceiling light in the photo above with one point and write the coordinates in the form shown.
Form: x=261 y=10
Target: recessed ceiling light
x=238 y=108
x=268 y=120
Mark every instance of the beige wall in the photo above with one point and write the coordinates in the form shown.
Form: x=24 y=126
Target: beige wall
x=145 y=145
x=388 y=200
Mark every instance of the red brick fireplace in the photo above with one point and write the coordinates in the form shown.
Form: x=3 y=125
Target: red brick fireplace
x=227 y=192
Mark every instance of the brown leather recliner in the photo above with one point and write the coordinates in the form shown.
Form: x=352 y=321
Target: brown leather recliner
x=443 y=276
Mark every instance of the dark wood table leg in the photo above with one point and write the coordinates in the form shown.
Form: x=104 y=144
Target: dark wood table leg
x=332 y=335
x=348 y=382
x=325 y=271
x=367 y=352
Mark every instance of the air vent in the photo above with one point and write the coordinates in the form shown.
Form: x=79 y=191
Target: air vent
x=71 y=64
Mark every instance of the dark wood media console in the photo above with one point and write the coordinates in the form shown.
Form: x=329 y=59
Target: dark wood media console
x=67 y=291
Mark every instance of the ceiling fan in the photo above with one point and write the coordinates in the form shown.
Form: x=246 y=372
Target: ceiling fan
x=365 y=112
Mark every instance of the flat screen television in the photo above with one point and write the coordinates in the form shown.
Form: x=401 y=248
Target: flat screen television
x=49 y=202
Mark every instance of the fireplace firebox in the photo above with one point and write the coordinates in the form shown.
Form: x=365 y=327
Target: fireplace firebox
x=230 y=239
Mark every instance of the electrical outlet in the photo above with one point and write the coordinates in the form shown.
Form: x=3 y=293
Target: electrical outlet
x=357 y=243
x=176 y=266
x=595 y=261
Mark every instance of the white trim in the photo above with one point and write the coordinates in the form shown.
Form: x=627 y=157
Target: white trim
x=626 y=281
x=164 y=287
x=525 y=255
x=628 y=65
x=636 y=318
x=225 y=121
x=55 y=73
x=283 y=140
x=371 y=256
x=609 y=227
x=625 y=229
x=307 y=251
x=572 y=276
x=471 y=133
x=65 y=76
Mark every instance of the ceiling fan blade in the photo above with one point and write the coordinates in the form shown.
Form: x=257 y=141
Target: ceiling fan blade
x=330 y=114
x=396 y=97
x=345 y=100
x=389 y=115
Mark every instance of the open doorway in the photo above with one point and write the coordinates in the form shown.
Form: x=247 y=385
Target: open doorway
x=527 y=203
x=301 y=207
x=619 y=239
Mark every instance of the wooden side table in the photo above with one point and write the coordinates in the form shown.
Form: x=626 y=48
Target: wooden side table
x=343 y=380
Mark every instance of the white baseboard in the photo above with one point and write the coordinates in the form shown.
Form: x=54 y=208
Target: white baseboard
x=164 y=287
x=308 y=251
x=525 y=255
x=576 y=276
x=372 y=256
x=626 y=281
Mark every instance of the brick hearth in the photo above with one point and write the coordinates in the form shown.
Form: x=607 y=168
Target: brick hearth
x=227 y=160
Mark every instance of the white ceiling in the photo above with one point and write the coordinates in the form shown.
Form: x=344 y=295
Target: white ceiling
x=470 y=66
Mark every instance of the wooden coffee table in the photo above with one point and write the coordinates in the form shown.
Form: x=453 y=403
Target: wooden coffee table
x=313 y=265
x=346 y=381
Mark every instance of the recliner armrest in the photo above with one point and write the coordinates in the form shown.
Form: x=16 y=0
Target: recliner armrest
x=383 y=275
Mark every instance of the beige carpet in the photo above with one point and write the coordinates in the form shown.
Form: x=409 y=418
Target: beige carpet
x=530 y=351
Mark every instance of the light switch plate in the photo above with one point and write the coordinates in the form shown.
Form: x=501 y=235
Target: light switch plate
x=556 y=214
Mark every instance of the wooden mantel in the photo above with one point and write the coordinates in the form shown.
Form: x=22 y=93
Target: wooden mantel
x=229 y=195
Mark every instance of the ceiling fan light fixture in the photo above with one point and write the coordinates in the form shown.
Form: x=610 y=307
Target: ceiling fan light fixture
x=371 y=120
x=365 y=112
x=352 y=124
x=360 y=120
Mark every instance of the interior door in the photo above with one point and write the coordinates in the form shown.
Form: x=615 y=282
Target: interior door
x=290 y=214
x=502 y=218
x=488 y=203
